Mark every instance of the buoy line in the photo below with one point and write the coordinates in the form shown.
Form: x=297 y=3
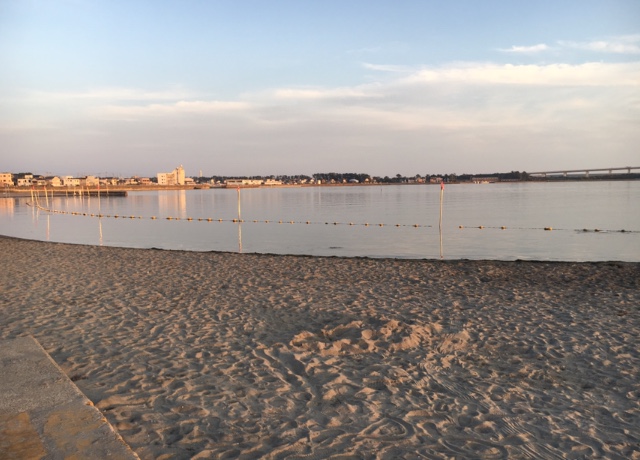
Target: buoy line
x=549 y=229
x=220 y=220
x=308 y=222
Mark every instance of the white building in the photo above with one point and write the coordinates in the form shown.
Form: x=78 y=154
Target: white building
x=175 y=177
x=69 y=181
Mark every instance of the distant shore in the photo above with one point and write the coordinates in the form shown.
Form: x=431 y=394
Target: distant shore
x=210 y=354
x=26 y=191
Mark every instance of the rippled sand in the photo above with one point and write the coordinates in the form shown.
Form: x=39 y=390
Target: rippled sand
x=215 y=355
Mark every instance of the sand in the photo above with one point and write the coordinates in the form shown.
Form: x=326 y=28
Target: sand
x=220 y=355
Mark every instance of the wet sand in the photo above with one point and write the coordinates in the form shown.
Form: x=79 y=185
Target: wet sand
x=220 y=355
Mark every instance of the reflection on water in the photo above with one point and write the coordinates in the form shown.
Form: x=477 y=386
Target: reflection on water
x=239 y=222
x=389 y=221
x=7 y=206
x=173 y=204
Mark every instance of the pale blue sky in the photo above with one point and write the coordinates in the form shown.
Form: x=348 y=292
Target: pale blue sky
x=287 y=87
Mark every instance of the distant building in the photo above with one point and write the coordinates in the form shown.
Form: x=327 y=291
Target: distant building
x=175 y=177
x=230 y=183
x=24 y=180
x=53 y=181
x=69 y=181
x=90 y=181
x=106 y=181
x=485 y=180
x=6 y=179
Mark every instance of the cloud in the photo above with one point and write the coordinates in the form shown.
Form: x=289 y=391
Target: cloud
x=110 y=94
x=394 y=47
x=422 y=89
x=588 y=74
x=454 y=95
x=526 y=49
x=463 y=109
x=321 y=93
x=116 y=111
x=625 y=44
x=387 y=68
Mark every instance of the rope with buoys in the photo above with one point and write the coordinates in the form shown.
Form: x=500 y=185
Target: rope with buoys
x=548 y=229
x=220 y=220
x=308 y=222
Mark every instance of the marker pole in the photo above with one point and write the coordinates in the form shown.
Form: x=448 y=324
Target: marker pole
x=440 y=224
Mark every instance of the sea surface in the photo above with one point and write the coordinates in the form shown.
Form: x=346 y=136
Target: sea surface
x=564 y=221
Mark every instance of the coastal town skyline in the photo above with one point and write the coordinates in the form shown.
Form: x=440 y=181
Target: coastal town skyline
x=246 y=88
x=178 y=177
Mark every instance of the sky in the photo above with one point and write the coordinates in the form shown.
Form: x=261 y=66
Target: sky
x=247 y=87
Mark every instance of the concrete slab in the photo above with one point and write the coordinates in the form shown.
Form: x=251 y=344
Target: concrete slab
x=43 y=415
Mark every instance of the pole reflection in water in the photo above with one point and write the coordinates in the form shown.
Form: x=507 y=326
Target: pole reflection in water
x=100 y=229
x=239 y=224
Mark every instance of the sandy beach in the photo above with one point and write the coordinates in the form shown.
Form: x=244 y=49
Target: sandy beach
x=221 y=355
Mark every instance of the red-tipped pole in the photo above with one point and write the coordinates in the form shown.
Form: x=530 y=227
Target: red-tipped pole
x=440 y=225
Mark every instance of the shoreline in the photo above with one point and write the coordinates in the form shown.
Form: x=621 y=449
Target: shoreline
x=389 y=259
x=205 y=354
x=24 y=191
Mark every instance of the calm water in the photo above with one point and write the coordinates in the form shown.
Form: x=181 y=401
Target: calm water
x=525 y=209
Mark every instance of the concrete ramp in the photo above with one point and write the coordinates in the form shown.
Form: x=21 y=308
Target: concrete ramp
x=43 y=415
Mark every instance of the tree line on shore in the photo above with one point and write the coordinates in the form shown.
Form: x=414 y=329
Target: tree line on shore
x=333 y=177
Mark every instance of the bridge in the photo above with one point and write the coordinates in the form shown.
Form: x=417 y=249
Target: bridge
x=586 y=172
